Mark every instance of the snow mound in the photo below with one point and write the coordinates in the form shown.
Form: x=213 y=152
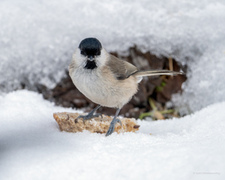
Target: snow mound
x=32 y=147
x=38 y=39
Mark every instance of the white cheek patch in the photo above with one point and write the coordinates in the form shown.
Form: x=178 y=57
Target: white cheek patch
x=79 y=58
x=101 y=60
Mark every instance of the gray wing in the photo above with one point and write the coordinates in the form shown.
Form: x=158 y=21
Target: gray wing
x=121 y=69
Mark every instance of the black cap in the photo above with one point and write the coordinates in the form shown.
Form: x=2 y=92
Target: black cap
x=90 y=47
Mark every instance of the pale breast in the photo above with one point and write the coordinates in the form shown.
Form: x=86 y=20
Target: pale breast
x=101 y=87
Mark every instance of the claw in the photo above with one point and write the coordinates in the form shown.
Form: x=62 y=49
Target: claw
x=119 y=122
x=98 y=115
x=88 y=116
x=112 y=126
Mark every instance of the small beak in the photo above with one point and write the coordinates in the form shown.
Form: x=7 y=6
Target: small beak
x=91 y=58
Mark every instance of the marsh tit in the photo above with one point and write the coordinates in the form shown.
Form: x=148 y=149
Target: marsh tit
x=105 y=79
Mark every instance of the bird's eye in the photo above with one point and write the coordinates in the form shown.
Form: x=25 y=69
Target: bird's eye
x=98 y=53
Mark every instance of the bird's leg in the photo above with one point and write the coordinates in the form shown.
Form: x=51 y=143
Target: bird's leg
x=113 y=123
x=90 y=114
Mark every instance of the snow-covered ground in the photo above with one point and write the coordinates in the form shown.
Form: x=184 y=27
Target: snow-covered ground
x=32 y=147
x=37 y=39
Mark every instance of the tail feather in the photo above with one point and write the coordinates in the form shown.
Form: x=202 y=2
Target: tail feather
x=156 y=73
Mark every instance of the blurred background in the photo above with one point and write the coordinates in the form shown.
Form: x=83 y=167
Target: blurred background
x=38 y=38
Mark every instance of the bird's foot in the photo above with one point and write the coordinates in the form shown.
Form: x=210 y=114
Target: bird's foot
x=88 y=116
x=112 y=126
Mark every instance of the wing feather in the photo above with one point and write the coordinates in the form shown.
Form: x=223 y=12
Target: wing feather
x=121 y=69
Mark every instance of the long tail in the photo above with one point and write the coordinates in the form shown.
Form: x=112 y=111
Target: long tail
x=156 y=73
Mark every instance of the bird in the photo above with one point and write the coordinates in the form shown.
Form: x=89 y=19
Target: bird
x=105 y=79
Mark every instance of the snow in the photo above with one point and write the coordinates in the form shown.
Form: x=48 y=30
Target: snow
x=32 y=146
x=37 y=39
